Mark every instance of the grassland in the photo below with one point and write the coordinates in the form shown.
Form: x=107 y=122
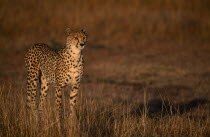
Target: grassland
x=147 y=66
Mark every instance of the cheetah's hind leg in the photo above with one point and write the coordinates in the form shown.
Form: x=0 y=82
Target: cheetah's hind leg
x=32 y=80
x=43 y=95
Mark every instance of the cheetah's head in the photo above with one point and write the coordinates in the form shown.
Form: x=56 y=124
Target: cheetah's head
x=76 y=39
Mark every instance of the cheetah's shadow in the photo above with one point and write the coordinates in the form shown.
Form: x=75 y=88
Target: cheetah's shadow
x=161 y=108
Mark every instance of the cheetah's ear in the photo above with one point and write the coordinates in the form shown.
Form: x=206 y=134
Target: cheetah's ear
x=68 y=31
x=84 y=31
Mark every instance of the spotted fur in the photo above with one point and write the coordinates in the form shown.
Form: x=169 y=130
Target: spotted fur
x=64 y=67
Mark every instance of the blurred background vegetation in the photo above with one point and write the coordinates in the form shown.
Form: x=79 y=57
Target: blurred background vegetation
x=122 y=23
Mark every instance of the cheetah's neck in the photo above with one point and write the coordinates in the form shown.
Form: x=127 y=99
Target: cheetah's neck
x=70 y=53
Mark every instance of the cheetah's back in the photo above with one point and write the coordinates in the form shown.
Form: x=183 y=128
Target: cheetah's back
x=42 y=57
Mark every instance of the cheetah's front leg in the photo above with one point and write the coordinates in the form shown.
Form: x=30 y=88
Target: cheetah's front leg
x=72 y=100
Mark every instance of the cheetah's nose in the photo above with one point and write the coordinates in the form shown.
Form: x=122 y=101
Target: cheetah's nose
x=82 y=44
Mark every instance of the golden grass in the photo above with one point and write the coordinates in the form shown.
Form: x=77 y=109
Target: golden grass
x=107 y=117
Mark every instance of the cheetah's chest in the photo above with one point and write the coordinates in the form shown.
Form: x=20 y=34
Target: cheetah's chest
x=73 y=76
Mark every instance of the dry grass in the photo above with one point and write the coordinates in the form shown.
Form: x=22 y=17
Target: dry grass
x=103 y=113
x=147 y=69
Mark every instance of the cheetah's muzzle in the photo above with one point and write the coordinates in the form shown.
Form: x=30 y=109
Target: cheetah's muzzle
x=82 y=44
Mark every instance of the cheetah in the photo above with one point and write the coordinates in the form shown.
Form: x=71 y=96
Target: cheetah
x=62 y=67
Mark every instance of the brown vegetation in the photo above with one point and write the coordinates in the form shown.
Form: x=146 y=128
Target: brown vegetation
x=147 y=66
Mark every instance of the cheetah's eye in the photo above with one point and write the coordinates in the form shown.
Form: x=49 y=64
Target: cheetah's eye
x=76 y=38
